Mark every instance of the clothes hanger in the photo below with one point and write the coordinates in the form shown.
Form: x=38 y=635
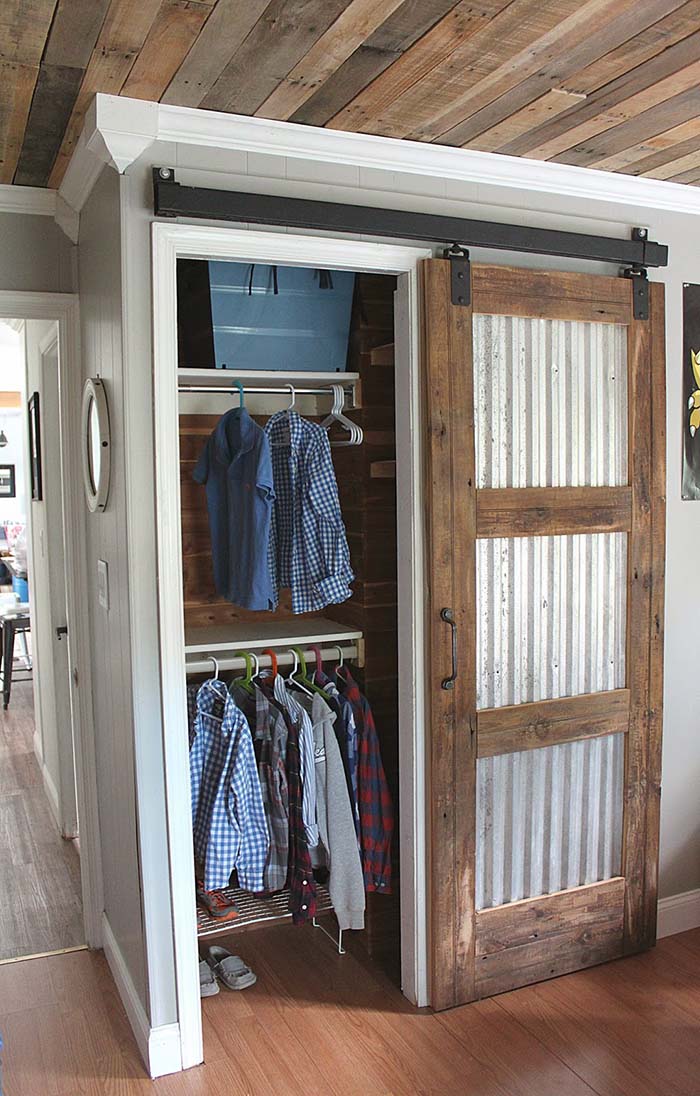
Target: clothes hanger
x=210 y=658
x=337 y=416
x=273 y=661
x=239 y=386
x=303 y=680
x=292 y=677
x=246 y=682
x=319 y=661
x=292 y=389
x=341 y=658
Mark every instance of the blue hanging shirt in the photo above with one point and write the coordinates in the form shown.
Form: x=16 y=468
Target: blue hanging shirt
x=236 y=467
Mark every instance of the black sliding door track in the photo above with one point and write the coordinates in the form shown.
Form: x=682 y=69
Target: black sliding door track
x=174 y=200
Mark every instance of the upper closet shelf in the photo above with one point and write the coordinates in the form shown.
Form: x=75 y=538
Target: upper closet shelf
x=267 y=633
x=269 y=380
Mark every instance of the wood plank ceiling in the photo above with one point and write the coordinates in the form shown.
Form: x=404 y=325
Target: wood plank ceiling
x=610 y=84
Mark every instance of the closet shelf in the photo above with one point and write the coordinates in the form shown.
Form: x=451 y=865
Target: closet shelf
x=268 y=379
x=255 y=909
x=244 y=635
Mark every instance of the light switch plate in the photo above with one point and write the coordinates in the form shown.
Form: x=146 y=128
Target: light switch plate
x=103 y=583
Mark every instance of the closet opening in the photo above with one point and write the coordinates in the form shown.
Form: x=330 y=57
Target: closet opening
x=286 y=392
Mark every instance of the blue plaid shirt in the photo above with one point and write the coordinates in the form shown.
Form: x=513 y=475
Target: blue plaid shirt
x=308 y=549
x=228 y=817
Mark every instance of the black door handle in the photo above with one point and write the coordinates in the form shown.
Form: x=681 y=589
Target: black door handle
x=448 y=616
x=62 y=631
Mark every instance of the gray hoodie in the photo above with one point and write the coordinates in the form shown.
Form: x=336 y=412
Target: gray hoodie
x=335 y=822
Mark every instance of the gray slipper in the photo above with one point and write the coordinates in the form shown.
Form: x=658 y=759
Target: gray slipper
x=230 y=969
x=208 y=985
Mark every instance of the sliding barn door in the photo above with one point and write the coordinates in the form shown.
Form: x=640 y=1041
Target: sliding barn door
x=546 y=471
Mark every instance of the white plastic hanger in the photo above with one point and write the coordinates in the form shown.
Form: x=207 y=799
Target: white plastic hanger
x=336 y=415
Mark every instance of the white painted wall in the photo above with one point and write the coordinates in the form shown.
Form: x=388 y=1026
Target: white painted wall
x=13 y=421
x=35 y=254
x=101 y=323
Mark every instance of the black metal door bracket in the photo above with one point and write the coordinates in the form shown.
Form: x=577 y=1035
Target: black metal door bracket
x=460 y=271
x=640 y=291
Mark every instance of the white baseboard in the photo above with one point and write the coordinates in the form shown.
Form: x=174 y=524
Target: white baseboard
x=678 y=913
x=38 y=750
x=159 y=1046
x=51 y=794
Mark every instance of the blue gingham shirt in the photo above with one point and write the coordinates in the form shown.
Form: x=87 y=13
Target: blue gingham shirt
x=228 y=817
x=308 y=549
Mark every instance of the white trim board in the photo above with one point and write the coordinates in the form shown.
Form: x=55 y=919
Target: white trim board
x=678 y=913
x=118 y=130
x=160 y=1046
x=31 y=200
x=170 y=241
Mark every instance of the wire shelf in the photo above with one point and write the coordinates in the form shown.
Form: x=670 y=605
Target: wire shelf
x=255 y=909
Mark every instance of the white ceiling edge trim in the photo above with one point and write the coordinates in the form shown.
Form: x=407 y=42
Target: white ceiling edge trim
x=118 y=130
x=27 y=199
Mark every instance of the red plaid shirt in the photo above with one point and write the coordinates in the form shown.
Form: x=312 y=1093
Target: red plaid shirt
x=376 y=810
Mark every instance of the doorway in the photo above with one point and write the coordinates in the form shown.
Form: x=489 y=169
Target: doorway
x=50 y=871
x=173 y=243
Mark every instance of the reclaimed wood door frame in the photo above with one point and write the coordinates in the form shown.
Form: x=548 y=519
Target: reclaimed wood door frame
x=475 y=953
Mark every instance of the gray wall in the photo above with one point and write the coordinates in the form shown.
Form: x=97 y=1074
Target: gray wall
x=99 y=265
x=35 y=255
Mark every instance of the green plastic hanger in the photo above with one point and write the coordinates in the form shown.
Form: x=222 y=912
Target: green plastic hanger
x=247 y=681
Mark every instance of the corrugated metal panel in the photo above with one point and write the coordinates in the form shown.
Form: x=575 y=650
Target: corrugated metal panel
x=551 y=617
x=548 y=819
x=551 y=402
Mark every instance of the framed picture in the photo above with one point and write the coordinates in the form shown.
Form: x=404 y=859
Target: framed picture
x=35 y=447
x=7 y=481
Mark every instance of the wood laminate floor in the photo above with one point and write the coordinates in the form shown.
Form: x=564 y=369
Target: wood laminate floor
x=40 y=900
x=320 y=1024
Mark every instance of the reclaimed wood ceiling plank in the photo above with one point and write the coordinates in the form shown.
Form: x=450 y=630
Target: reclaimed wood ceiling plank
x=358 y=20
x=514 y=33
x=561 y=52
x=660 y=149
x=381 y=49
x=17 y=84
x=24 y=27
x=680 y=166
x=671 y=111
x=54 y=96
x=646 y=42
x=434 y=48
x=522 y=121
x=280 y=38
x=172 y=35
x=608 y=105
x=74 y=30
x=123 y=33
x=226 y=28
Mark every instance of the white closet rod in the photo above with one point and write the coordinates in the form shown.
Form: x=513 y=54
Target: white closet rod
x=352 y=652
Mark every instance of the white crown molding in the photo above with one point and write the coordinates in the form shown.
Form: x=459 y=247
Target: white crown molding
x=27 y=199
x=118 y=130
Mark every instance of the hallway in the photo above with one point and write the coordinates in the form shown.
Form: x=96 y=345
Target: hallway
x=40 y=897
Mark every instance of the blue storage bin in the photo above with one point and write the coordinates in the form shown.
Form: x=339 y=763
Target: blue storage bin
x=20 y=587
x=301 y=327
